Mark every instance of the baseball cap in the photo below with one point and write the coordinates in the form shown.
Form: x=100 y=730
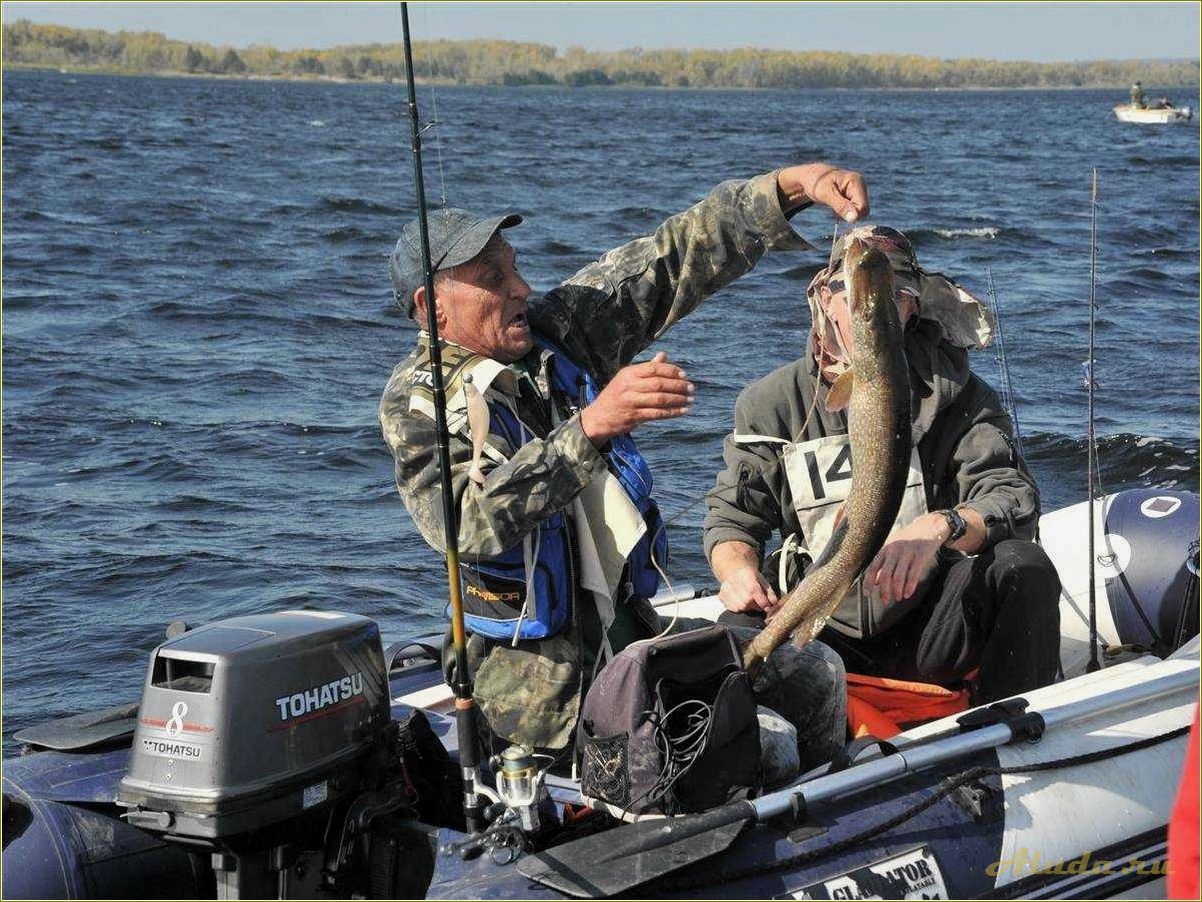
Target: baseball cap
x=456 y=236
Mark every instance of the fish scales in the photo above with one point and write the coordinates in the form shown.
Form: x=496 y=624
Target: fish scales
x=879 y=436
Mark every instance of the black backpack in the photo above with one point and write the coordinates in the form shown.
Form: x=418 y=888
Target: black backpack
x=669 y=726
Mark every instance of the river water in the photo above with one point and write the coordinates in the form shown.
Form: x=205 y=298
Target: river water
x=197 y=322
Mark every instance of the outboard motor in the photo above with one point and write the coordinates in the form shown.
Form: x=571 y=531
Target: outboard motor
x=266 y=743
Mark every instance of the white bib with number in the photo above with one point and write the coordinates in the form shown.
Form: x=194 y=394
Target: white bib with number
x=819 y=474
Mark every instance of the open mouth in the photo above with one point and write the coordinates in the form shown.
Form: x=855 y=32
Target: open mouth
x=519 y=320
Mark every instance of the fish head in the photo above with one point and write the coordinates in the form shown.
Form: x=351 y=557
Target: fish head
x=874 y=315
x=869 y=278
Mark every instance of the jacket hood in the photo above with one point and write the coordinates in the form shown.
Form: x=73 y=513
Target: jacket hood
x=938 y=373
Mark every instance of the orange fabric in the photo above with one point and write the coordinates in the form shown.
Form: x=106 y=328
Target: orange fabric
x=1183 y=877
x=881 y=706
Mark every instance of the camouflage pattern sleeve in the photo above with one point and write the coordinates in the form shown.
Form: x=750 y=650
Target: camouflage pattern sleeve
x=612 y=309
x=538 y=479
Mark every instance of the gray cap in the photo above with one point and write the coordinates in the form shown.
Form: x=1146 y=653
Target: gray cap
x=456 y=236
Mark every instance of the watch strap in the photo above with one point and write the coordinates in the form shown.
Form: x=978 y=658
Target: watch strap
x=957 y=523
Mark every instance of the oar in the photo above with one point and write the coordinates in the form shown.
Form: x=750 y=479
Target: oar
x=618 y=860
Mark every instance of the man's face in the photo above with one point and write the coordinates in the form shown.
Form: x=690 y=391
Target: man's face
x=483 y=304
x=837 y=339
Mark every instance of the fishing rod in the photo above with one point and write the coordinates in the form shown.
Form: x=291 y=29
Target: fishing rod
x=465 y=708
x=1003 y=364
x=1090 y=384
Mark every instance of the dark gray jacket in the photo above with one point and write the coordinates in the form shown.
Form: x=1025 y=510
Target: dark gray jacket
x=965 y=443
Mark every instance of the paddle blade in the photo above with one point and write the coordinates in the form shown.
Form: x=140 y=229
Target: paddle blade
x=618 y=860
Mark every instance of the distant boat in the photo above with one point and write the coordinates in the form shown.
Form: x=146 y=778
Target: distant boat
x=1128 y=113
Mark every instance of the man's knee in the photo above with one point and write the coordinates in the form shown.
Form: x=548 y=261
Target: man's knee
x=1025 y=560
x=814 y=667
x=807 y=686
x=822 y=657
x=743 y=619
x=1024 y=574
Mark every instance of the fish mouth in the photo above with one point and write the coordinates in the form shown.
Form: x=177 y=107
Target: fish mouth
x=868 y=275
x=519 y=320
x=862 y=255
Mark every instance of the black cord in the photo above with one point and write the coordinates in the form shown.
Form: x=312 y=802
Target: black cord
x=950 y=785
x=679 y=748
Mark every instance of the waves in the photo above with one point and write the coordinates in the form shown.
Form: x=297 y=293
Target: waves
x=198 y=322
x=922 y=236
x=979 y=232
x=1125 y=460
x=335 y=204
x=1168 y=160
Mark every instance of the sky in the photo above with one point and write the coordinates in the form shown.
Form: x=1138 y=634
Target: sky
x=1009 y=31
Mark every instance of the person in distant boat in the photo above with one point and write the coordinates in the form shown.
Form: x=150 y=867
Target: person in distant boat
x=1164 y=104
x=1137 y=96
x=959 y=586
x=560 y=540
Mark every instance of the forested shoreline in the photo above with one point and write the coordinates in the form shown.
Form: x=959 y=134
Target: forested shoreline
x=486 y=62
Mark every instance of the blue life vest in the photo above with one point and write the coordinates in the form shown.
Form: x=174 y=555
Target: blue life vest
x=495 y=588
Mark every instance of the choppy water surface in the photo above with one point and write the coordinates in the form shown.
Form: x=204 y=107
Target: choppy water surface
x=197 y=322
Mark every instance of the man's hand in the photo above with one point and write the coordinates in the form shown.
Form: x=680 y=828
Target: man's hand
x=907 y=556
x=737 y=567
x=747 y=590
x=656 y=390
x=842 y=190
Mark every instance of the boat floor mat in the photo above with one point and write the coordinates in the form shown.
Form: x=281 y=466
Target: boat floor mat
x=82 y=731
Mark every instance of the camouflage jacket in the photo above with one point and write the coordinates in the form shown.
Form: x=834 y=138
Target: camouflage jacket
x=601 y=317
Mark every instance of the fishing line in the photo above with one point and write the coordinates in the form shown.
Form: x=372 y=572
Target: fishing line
x=434 y=123
x=1003 y=365
x=768 y=470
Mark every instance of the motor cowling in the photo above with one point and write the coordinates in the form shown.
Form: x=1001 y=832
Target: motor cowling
x=266 y=742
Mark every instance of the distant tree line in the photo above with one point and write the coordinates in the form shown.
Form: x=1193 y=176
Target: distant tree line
x=484 y=62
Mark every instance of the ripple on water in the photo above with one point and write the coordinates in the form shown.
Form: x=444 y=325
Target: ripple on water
x=198 y=321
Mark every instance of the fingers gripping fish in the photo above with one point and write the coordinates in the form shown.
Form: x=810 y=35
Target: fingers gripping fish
x=876 y=392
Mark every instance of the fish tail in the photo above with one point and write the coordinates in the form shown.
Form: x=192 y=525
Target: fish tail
x=753 y=660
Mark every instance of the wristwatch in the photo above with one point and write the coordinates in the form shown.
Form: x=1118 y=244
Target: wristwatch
x=958 y=526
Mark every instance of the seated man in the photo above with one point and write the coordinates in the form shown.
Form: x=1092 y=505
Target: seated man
x=560 y=541
x=958 y=585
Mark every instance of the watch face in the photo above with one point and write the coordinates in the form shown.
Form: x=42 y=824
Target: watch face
x=956 y=522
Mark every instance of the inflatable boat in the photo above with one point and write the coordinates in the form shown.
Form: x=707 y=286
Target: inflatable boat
x=294 y=755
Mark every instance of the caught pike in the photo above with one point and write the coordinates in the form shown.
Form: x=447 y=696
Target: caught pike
x=876 y=391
